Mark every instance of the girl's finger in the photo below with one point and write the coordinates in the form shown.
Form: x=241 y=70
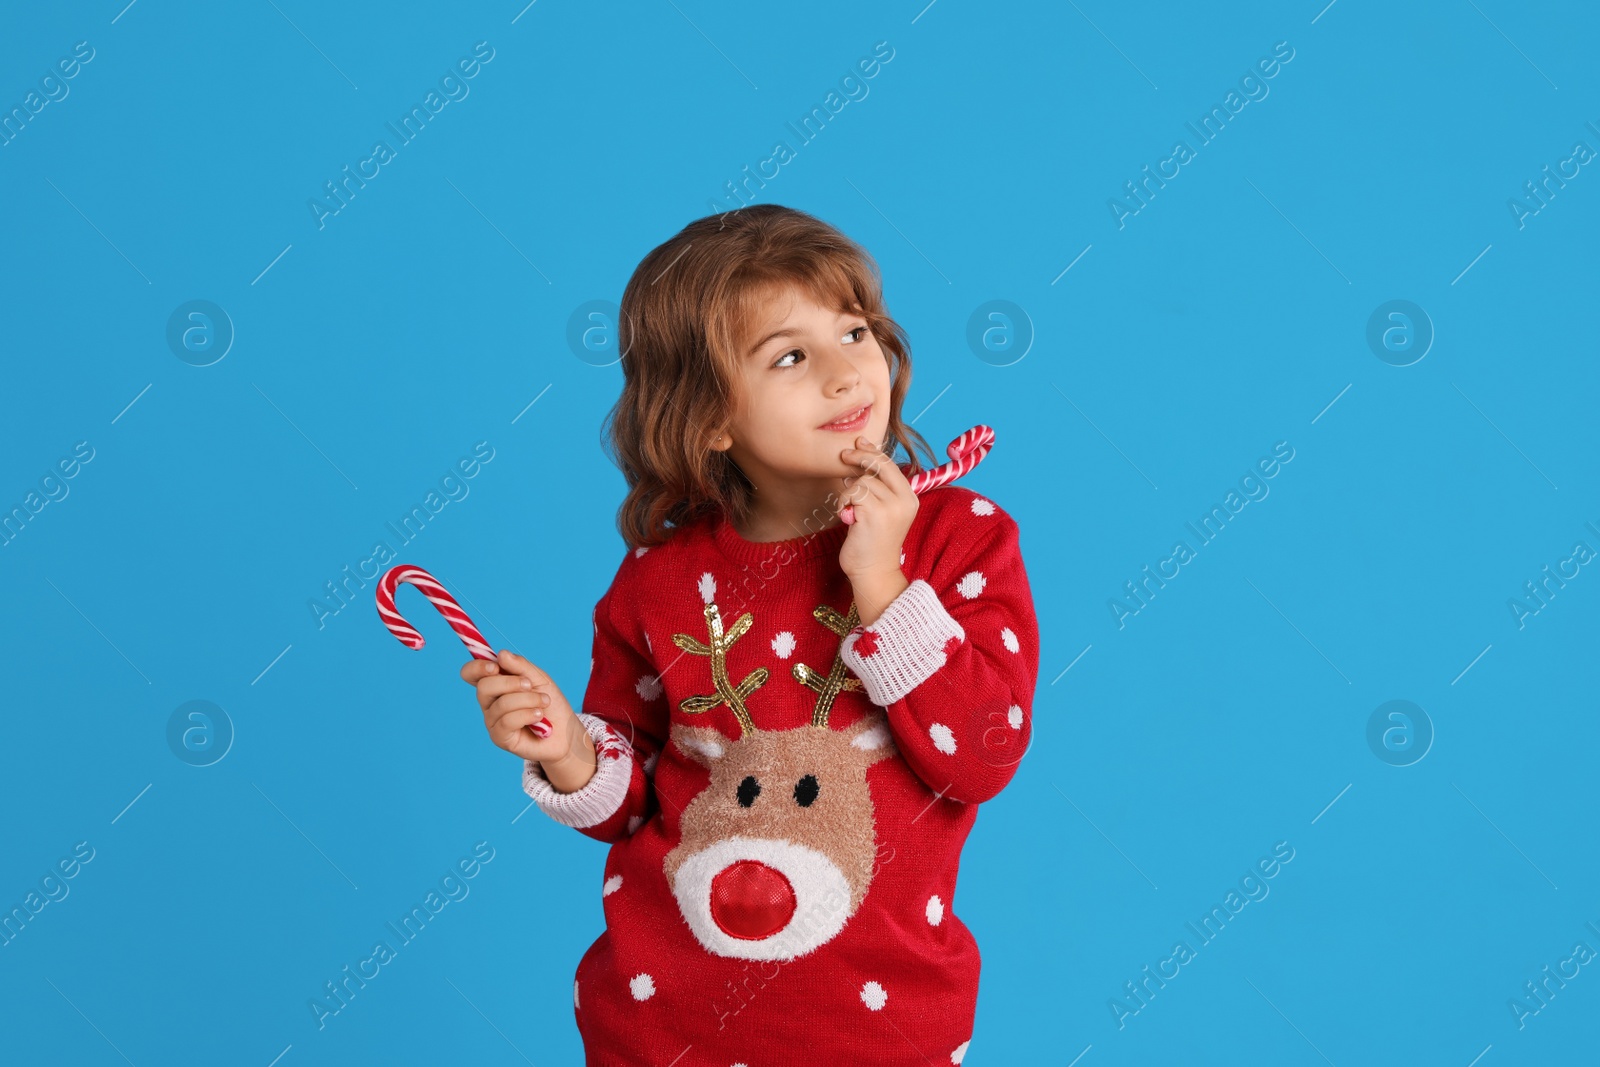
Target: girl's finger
x=514 y=702
x=499 y=685
x=876 y=470
x=887 y=471
x=866 y=460
x=866 y=507
x=866 y=487
x=514 y=664
x=511 y=735
x=516 y=720
x=860 y=457
x=513 y=721
x=475 y=669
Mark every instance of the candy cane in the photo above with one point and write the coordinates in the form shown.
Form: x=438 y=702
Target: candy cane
x=965 y=452
x=458 y=620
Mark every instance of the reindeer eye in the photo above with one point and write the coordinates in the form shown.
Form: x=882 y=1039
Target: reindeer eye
x=805 y=791
x=749 y=789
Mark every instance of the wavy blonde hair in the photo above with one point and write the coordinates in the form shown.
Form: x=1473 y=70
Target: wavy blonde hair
x=688 y=308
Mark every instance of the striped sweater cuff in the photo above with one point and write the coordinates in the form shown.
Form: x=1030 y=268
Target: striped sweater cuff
x=598 y=800
x=904 y=647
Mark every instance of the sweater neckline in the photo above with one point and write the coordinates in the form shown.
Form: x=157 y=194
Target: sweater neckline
x=825 y=542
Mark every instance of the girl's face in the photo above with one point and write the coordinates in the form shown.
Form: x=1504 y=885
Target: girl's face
x=805 y=367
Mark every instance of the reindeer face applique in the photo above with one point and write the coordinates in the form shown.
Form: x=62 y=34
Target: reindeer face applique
x=777 y=853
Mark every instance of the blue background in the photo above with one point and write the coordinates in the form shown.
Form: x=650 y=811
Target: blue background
x=1228 y=314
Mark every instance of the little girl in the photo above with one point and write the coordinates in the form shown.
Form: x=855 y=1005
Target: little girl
x=790 y=721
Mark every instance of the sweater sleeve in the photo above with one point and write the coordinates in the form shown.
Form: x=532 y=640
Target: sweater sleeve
x=625 y=713
x=954 y=659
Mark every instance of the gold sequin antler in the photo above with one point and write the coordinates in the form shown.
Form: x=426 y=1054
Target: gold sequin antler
x=836 y=681
x=727 y=692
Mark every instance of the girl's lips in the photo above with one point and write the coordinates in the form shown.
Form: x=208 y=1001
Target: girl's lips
x=854 y=424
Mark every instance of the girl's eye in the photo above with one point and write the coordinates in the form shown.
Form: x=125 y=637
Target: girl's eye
x=796 y=352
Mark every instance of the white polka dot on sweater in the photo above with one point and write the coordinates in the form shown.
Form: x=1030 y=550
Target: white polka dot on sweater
x=648 y=687
x=981 y=506
x=634 y=822
x=971 y=584
x=642 y=986
x=613 y=884
x=960 y=1052
x=650 y=761
x=574 y=993
x=935 y=910
x=902 y=559
x=1014 y=717
x=943 y=739
x=1009 y=638
x=783 y=645
x=873 y=996
x=641 y=550
x=708 y=587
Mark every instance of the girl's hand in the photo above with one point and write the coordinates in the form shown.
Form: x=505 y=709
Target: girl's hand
x=884 y=507
x=514 y=694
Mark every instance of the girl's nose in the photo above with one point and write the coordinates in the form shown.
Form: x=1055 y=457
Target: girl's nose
x=842 y=371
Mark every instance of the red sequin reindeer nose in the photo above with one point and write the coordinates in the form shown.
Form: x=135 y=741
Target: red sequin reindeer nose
x=751 y=900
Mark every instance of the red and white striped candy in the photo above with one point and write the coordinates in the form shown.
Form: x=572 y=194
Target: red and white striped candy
x=965 y=452
x=458 y=620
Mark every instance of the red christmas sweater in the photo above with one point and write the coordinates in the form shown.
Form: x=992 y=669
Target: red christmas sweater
x=786 y=792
